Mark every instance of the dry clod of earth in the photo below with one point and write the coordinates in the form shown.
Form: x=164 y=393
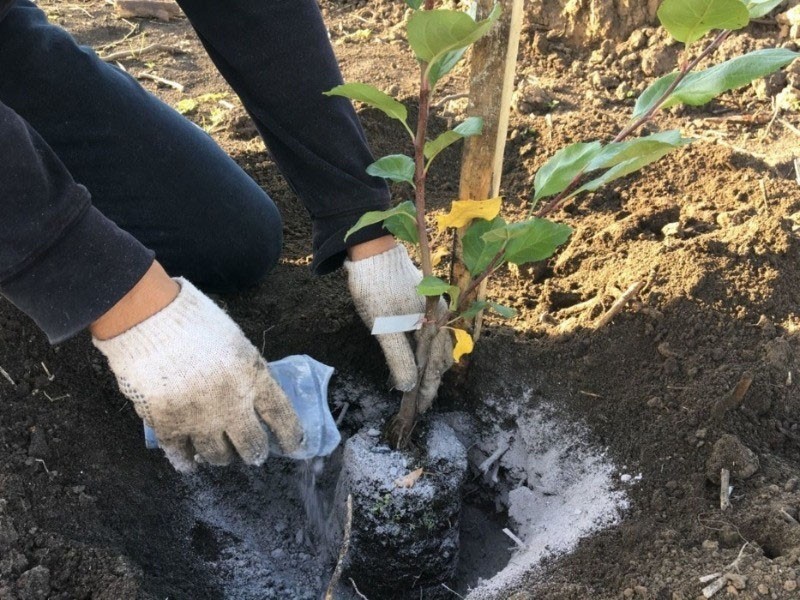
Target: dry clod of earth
x=730 y=453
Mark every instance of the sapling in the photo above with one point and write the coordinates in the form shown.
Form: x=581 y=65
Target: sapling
x=439 y=39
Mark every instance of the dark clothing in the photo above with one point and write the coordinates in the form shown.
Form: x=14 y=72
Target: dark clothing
x=67 y=117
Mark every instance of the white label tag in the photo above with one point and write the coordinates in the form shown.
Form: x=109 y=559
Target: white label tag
x=397 y=324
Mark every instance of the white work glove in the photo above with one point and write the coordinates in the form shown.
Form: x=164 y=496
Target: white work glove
x=195 y=379
x=385 y=285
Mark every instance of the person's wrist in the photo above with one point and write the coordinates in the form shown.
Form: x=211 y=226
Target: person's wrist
x=371 y=248
x=153 y=292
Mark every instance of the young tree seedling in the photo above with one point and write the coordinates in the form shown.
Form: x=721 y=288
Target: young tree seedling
x=439 y=39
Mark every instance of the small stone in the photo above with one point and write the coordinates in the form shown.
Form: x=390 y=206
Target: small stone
x=672 y=229
x=790 y=585
x=710 y=545
x=788 y=99
x=790 y=485
x=700 y=434
x=731 y=590
x=638 y=40
x=373 y=432
x=730 y=453
x=628 y=592
x=763 y=589
x=737 y=581
x=278 y=553
x=34 y=584
x=655 y=402
x=641 y=591
x=531 y=98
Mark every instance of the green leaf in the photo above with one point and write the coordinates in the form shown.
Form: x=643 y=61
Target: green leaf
x=471 y=126
x=619 y=152
x=402 y=213
x=474 y=309
x=403 y=224
x=504 y=311
x=397 y=167
x=557 y=173
x=434 y=286
x=535 y=240
x=761 y=8
x=654 y=92
x=689 y=20
x=699 y=88
x=372 y=96
x=415 y=4
x=624 y=158
x=439 y=37
x=477 y=252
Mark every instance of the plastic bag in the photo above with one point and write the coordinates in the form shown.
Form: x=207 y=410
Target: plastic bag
x=305 y=382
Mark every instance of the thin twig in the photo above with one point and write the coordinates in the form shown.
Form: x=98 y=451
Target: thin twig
x=343 y=550
x=7 y=377
x=502 y=448
x=452 y=591
x=168 y=82
x=137 y=53
x=449 y=98
x=620 y=303
x=513 y=537
x=343 y=412
x=357 y=591
x=724 y=489
x=790 y=127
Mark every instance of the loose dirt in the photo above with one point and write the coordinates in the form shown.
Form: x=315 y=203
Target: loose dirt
x=712 y=231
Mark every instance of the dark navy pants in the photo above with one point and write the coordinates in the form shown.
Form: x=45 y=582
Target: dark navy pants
x=69 y=123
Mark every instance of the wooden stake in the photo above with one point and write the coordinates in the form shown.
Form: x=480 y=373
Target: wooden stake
x=494 y=61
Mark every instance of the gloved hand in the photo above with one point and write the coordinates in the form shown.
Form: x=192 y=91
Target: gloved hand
x=385 y=285
x=195 y=379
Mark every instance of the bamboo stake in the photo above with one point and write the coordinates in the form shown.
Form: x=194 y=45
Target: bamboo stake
x=494 y=60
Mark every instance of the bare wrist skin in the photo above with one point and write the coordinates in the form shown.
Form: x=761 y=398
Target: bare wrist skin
x=371 y=248
x=154 y=291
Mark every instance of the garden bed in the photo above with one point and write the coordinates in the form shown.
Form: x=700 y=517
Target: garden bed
x=712 y=231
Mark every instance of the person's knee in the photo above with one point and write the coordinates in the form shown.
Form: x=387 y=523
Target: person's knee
x=245 y=259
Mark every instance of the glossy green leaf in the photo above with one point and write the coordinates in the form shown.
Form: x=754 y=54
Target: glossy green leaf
x=761 y=8
x=535 y=240
x=439 y=37
x=477 y=252
x=471 y=126
x=371 y=96
x=689 y=20
x=397 y=167
x=702 y=87
x=403 y=224
x=504 y=311
x=403 y=218
x=434 y=286
x=619 y=152
x=557 y=173
x=474 y=309
x=415 y=4
x=654 y=92
x=627 y=157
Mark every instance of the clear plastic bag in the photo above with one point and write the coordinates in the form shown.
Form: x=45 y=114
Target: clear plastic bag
x=305 y=382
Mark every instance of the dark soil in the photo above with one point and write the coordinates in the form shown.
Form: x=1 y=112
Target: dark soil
x=82 y=498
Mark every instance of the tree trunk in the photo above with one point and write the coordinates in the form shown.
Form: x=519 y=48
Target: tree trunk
x=592 y=21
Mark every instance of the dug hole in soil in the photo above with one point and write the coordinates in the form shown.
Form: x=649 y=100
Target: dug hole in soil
x=600 y=447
